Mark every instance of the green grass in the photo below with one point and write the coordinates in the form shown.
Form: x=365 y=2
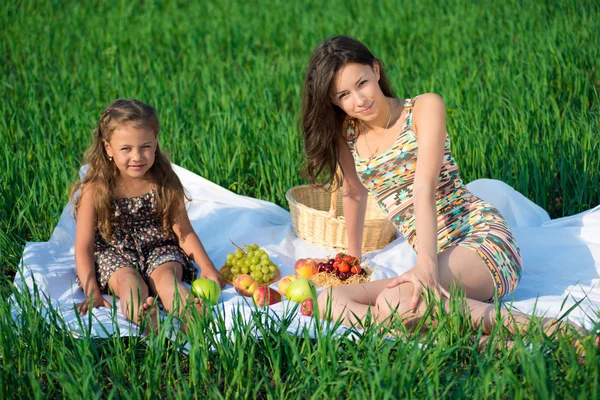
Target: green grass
x=254 y=359
x=521 y=82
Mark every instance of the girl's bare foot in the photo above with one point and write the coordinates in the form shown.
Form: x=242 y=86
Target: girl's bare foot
x=198 y=305
x=148 y=315
x=193 y=309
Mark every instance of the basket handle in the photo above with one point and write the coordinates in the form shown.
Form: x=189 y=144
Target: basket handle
x=334 y=193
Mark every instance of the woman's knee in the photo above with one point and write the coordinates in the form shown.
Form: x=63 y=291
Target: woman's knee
x=394 y=301
x=324 y=301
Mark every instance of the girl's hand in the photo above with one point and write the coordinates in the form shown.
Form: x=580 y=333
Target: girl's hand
x=422 y=279
x=84 y=306
x=213 y=275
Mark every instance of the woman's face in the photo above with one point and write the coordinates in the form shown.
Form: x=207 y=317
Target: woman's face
x=356 y=91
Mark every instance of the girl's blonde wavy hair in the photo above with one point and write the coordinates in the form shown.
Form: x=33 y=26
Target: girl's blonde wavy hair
x=102 y=174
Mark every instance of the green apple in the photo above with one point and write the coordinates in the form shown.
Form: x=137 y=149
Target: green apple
x=301 y=289
x=206 y=289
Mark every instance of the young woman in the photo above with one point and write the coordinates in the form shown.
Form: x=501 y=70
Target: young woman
x=398 y=150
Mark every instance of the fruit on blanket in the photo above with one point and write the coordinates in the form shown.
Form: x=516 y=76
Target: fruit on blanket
x=284 y=283
x=245 y=285
x=266 y=296
x=343 y=266
x=206 y=289
x=305 y=267
x=226 y=272
x=300 y=290
x=253 y=261
x=307 y=307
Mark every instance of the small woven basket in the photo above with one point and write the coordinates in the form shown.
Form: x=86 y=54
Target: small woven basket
x=317 y=217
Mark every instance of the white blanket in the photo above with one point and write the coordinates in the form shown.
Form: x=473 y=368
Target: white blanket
x=561 y=257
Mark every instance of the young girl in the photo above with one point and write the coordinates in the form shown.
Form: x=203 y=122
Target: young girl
x=398 y=150
x=133 y=236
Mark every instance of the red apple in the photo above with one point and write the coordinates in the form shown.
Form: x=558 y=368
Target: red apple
x=307 y=307
x=284 y=283
x=266 y=296
x=245 y=285
x=306 y=267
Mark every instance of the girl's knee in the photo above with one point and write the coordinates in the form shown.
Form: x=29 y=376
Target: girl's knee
x=126 y=281
x=171 y=270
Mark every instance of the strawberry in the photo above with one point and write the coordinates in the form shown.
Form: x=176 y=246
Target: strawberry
x=349 y=259
x=344 y=267
x=339 y=256
x=356 y=269
x=336 y=265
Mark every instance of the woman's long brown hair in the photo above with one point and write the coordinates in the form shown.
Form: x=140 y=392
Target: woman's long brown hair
x=321 y=120
x=102 y=174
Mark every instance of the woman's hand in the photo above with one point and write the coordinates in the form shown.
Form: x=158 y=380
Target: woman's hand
x=214 y=275
x=423 y=279
x=98 y=301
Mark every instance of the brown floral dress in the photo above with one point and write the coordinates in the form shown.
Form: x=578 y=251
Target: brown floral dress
x=138 y=241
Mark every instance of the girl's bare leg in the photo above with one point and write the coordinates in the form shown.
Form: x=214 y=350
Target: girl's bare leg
x=166 y=282
x=127 y=284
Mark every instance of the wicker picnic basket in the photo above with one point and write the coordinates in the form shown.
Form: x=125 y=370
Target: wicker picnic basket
x=317 y=217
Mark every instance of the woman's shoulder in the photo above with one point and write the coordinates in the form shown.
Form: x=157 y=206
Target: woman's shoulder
x=427 y=99
x=429 y=104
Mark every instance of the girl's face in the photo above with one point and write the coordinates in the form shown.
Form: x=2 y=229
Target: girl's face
x=133 y=150
x=356 y=91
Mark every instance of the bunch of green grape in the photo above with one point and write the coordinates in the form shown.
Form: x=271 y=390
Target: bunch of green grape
x=251 y=260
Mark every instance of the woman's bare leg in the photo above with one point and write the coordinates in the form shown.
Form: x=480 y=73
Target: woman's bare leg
x=457 y=266
x=350 y=303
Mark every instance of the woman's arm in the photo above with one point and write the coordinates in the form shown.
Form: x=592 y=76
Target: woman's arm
x=429 y=120
x=429 y=116
x=354 y=199
x=192 y=246
x=85 y=230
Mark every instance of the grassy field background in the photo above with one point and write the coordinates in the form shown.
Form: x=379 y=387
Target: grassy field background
x=521 y=83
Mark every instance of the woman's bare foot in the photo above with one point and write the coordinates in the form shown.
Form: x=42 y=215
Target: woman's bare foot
x=148 y=315
x=574 y=333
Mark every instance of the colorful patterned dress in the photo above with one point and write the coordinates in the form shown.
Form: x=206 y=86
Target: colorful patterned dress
x=463 y=219
x=138 y=241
